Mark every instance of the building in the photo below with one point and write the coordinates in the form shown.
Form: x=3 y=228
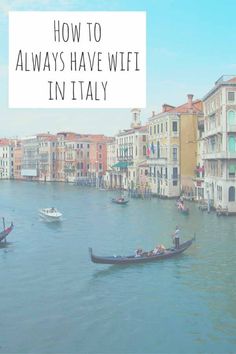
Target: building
x=198 y=179
x=6 y=158
x=131 y=150
x=47 y=146
x=172 y=151
x=17 y=160
x=219 y=106
x=30 y=156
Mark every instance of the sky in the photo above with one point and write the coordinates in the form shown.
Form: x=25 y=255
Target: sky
x=190 y=44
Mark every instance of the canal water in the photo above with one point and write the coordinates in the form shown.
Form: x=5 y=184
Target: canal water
x=54 y=300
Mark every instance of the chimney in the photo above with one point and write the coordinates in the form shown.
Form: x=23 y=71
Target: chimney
x=164 y=107
x=190 y=102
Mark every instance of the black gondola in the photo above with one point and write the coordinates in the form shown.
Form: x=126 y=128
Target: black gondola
x=5 y=231
x=168 y=253
x=121 y=201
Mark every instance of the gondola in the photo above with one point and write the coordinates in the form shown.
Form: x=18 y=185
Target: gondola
x=5 y=231
x=184 y=211
x=121 y=201
x=182 y=208
x=168 y=253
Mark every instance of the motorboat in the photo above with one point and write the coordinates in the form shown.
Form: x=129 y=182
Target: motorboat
x=50 y=214
x=120 y=200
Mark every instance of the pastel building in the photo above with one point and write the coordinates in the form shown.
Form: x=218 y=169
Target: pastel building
x=17 y=160
x=172 y=152
x=131 y=150
x=47 y=145
x=6 y=159
x=219 y=106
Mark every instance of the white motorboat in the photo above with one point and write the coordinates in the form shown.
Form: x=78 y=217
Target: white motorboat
x=50 y=214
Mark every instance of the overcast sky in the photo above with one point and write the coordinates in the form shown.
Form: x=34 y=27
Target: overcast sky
x=190 y=44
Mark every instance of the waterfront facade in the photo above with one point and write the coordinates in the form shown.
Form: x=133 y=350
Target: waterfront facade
x=220 y=143
x=131 y=150
x=6 y=159
x=172 y=152
x=30 y=158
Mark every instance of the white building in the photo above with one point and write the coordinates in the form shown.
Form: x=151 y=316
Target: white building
x=30 y=158
x=220 y=143
x=131 y=150
x=6 y=159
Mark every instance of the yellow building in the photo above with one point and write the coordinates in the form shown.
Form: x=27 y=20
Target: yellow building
x=172 y=152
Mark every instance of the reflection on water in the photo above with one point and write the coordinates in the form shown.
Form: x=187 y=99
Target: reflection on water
x=55 y=300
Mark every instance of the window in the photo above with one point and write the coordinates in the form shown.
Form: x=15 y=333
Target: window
x=150 y=130
x=232 y=146
x=231 y=115
x=166 y=126
x=175 y=172
x=100 y=166
x=175 y=153
x=231 y=96
x=155 y=129
x=144 y=150
x=158 y=150
x=231 y=194
x=144 y=137
x=219 y=193
x=174 y=127
x=232 y=170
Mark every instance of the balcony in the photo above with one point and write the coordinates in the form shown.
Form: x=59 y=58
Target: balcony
x=231 y=128
x=213 y=131
x=215 y=155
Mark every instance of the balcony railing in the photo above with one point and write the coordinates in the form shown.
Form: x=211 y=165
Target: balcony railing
x=232 y=128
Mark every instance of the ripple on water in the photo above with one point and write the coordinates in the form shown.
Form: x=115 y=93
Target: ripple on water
x=54 y=300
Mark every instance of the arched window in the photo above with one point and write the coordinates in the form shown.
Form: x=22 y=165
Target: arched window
x=231 y=115
x=231 y=194
x=144 y=150
x=232 y=146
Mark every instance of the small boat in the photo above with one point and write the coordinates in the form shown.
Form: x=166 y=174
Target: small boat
x=5 y=231
x=50 y=214
x=143 y=258
x=184 y=210
x=120 y=200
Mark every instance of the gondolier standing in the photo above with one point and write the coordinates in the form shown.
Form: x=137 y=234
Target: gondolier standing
x=176 y=237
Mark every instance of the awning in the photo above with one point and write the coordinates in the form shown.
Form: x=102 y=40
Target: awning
x=122 y=164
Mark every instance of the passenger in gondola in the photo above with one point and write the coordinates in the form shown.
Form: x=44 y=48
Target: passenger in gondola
x=156 y=250
x=138 y=252
x=176 y=237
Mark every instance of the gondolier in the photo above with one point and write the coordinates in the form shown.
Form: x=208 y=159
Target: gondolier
x=176 y=237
